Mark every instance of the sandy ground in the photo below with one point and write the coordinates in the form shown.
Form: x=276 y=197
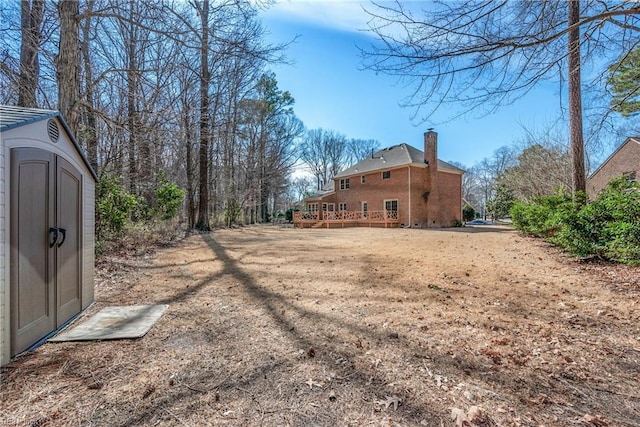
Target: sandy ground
x=354 y=327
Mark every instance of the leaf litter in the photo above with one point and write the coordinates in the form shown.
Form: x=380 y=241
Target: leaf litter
x=402 y=327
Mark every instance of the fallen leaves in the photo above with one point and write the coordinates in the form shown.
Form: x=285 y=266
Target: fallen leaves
x=394 y=401
x=474 y=416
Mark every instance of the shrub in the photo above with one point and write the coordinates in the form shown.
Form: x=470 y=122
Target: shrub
x=288 y=215
x=608 y=227
x=169 y=199
x=114 y=206
x=468 y=213
x=544 y=216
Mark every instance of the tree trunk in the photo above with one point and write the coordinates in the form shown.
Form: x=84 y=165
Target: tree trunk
x=132 y=122
x=191 y=206
x=575 y=99
x=90 y=122
x=203 y=196
x=68 y=63
x=31 y=21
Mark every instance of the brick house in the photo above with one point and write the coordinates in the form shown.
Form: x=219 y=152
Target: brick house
x=397 y=186
x=624 y=161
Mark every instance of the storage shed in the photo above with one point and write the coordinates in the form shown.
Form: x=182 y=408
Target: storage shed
x=47 y=240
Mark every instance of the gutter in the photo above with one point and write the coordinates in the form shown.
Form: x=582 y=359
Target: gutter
x=409 y=185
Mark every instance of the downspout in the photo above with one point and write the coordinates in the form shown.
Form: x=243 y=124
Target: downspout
x=409 y=184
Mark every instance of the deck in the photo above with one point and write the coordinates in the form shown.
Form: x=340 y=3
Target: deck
x=344 y=219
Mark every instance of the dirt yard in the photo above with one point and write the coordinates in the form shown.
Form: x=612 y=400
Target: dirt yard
x=353 y=327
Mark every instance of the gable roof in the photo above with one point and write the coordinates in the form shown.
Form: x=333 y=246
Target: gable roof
x=14 y=117
x=629 y=140
x=394 y=157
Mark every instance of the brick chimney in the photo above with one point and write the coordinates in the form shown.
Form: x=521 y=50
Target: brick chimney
x=431 y=150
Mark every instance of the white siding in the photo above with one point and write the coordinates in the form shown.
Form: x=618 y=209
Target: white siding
x=5 y=351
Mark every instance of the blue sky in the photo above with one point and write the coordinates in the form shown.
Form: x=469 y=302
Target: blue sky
x=332 y=92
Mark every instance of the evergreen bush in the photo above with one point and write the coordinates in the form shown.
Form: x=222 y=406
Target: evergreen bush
x=608 y=227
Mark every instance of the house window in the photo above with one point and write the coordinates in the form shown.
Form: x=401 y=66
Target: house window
x=344 y=184
x=362 y=179
x=391 y=205
x=365 y=208
x=313 y=207
x=342 y=207
x=386 y=175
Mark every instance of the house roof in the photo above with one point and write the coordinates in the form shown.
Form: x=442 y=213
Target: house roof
x=635 y=139
x=328 y=188
x=394 y=157
x=14 y=117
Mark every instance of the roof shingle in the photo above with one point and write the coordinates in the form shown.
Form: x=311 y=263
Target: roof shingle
x=393 y=157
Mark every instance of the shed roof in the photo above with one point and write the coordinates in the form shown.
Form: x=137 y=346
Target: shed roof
x=393 y=157
x=14 y=117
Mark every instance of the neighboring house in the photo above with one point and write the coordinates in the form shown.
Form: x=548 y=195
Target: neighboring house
x=624 y=161
x=47 y=209
x=397 y=186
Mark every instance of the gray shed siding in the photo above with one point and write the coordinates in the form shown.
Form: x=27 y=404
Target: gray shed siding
x=32 y=133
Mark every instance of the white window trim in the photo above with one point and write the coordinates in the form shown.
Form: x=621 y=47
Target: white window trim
x=384 y=203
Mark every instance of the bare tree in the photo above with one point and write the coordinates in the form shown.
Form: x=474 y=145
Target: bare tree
x=162 y=88
x=325 y=154
x=31 y=22
x=89 y=117
x=203 y=188
x=360 y=149
x=486 y=175
x=470 y=186
x=268 y=129
x=488 y=54
x=301 y=187
x=575 y=98
x=542 y=168
x=68 y=62
x=336 y=149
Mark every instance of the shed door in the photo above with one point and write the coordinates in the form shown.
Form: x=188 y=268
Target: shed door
x=32 y=285
x=45 y=270
x=68 y=267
